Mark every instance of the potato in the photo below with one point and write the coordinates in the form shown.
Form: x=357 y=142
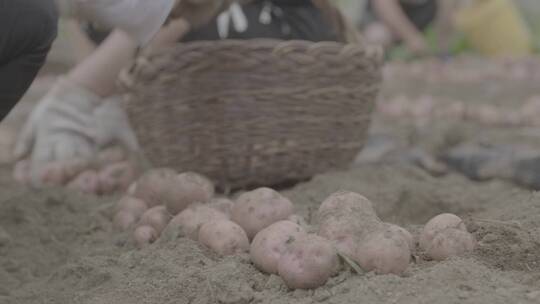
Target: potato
x=223 y=205
x=386 y=251
x=157 y=217
x=344 y=232
x=345 y=218
x=260 y=208
x=116 y=177
x=271 y=242
x=132 y=205
x=437 y=224
x=190 y=188
x=404 y=232
x=144 y=236
x=346 y=202
x=156 y=187
x=176 y=191
x=308 y=263
x=124 y=220
x=224 y=237
x=450 y=242
x=52 y=174
x=190 y=220
x=87 y=182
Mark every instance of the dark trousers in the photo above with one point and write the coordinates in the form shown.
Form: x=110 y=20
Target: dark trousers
x=291 y=19
x=27 y=30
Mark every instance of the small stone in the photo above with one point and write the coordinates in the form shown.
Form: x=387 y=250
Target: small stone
x=321 y=295
x=489 y=238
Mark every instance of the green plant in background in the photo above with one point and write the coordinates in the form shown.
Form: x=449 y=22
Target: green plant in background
x=458 y=45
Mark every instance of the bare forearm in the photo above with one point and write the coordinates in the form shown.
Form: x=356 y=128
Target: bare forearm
x=99 y=71
x=390 y=12
x=141 y=19
x=445 y=26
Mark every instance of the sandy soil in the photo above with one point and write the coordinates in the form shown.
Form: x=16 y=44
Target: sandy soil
x=59 y=247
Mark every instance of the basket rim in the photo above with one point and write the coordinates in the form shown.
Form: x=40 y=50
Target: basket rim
x=147 y=61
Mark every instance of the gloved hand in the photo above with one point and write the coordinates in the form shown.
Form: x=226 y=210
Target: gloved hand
x=61 y=127
x=68 y=126
x=113 y=125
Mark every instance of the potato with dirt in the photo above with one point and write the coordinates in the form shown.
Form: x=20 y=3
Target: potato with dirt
x=224 y=237
x=271 y=242
x=157 y=217
x=221 y=204
x=176 y=191
x=343 y=232
x=260 y=208
x=345 y=218
x=156 y=187
x=190 y=221
x=124 y=220
x=438 y=224
x=128 y=212
x=87 y=182
x=450 y=242
x=145 y=235
x=404 y=233
x=308 y=263
x=347 y=202
x=132 y=205
x=190 y=188
x=385 y=251
x=116 y=177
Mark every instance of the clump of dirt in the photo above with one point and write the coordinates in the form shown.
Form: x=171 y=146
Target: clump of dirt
x=59 y=247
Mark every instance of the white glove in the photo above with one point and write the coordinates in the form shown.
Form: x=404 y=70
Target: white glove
x=113 y=125
x=69 y=124
x=61 y=127
x=141 y=19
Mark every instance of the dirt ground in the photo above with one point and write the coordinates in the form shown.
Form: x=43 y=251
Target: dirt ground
x=59 y=247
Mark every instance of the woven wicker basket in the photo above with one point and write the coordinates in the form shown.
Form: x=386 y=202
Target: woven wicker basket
x=255 y=112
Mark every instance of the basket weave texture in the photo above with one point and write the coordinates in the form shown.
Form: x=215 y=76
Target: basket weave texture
x=254 y=112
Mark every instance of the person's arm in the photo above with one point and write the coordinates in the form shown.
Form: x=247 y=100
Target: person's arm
x=140 y=19
x=99 y=71
x=445 y=25
x=390 y=12
x=64 y=125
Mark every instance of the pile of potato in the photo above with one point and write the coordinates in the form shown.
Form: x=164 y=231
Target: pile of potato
x=262 y=223
x=110 y=172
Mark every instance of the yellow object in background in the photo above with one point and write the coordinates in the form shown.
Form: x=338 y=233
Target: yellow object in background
x=495 y=28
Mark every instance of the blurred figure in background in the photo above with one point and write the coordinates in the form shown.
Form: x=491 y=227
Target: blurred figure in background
x=388 y=22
